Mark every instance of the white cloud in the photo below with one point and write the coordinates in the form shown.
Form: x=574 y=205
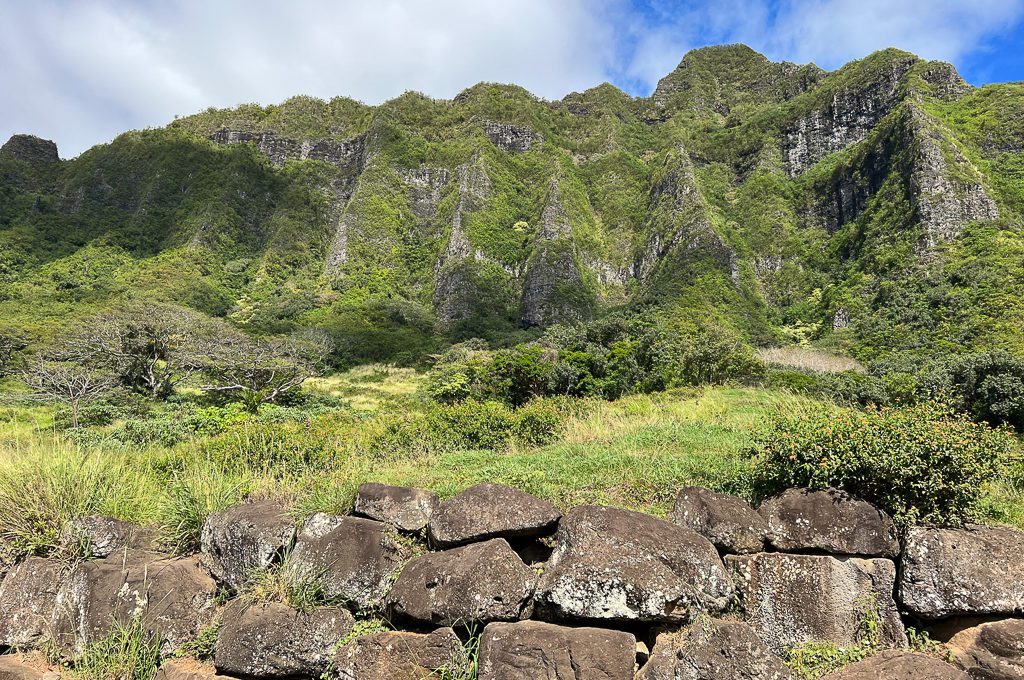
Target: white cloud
x=82 y=72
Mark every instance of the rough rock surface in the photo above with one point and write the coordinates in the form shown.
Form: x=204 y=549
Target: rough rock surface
x=404 y=508
x=275 y=641
x=977 y=570
x=174 y=597
x=344 y=154
x=478 y=582
x=727 y=521
x=99 y=536
x=15 y=667
x=511 y=138
x=532 y=650
x=793 y=599
x=713 y=649
x=488 y=511
x=829 y=521
x=395 y=655
x=243 y=539
x=349 y=558
x=897 y=665
x=992 y=650
x=30 y=149
x=621 y=565
x=27 y=598
x=185 y=669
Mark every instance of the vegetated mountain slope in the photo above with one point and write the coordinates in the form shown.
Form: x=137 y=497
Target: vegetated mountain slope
x=876 y=208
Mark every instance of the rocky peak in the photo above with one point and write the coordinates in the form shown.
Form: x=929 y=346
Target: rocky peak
x=30 y=149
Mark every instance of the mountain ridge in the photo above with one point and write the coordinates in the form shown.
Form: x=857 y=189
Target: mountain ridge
x=781 y=201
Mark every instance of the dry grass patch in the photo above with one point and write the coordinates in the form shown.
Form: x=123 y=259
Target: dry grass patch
x=809 y=359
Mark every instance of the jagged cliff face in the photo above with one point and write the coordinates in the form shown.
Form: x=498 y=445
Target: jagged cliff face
x=759 y=195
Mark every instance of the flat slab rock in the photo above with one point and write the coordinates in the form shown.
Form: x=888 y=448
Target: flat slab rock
x=713 y=649
x=99 y=536
x=621 y=565
x=404 y=508
x=793 y=599
x=830 y=521
x=488 y=511
x=16 y=667
x=244 y=539
x=899 y=665
x=395 y=655
x=533 y=650
x=991 y=651
x=186 y=669
x=477 y=582
x=972 y=571
x=173 y=597
x=348 y=558
x=28 y=596
x=727 y=521
x=275 y=641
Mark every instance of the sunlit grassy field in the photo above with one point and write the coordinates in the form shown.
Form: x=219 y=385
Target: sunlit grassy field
x=635 y=452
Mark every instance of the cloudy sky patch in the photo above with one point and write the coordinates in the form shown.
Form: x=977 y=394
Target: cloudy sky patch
x=81 y=72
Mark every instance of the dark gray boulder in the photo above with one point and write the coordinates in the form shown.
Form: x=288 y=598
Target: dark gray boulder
x=404 y=508
x=244 y=539
x=626 y=566
x=28 y=596
x=533 y=650
x=347 y=558
x=273 y=640
x=395 y=655
x=186 y=669
x=830 y=521
x=727 y=521
x=793 y=599
x=174 y=598
x=488 y=511
x=477 y=582
x=713 y=649
x=899 y=665
x=971 y=571
x=991 y=651
x=99 y=536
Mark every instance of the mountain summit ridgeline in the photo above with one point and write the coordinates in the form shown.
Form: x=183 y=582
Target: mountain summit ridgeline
x=876 y=208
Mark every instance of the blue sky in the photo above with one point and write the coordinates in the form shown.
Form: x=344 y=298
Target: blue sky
x=81 y=71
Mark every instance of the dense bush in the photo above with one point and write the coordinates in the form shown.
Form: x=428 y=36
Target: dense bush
x=920 y=463
x=605 y=359
x=988 y=385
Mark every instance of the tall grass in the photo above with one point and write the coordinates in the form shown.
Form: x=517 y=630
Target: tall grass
x=809 y=359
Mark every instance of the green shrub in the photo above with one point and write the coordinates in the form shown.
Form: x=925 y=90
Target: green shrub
x=988 y=385
x=919 y=463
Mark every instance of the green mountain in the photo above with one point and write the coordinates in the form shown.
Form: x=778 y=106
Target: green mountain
x=876 y=208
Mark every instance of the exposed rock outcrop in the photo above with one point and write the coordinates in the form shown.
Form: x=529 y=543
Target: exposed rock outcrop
x=830 y=521
x=977 y=570
x=511 y=138
x=346 y=154
x=396 y=655
x=713 y=649
x=173 y=598
x=28 y=596
x=477 y=582
x=792 y=599
x=727 y=521
x=620 y=565
x=486 y=511
x=404 y=508
x=98 y=536
x=531 y=650
x=30 y=149
x=276 y=641
x=240 y=541
x=347 y=558
x=992 y=650
x=897 y=665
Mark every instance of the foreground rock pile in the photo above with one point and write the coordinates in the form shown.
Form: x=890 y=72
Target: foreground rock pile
x=502 y=579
